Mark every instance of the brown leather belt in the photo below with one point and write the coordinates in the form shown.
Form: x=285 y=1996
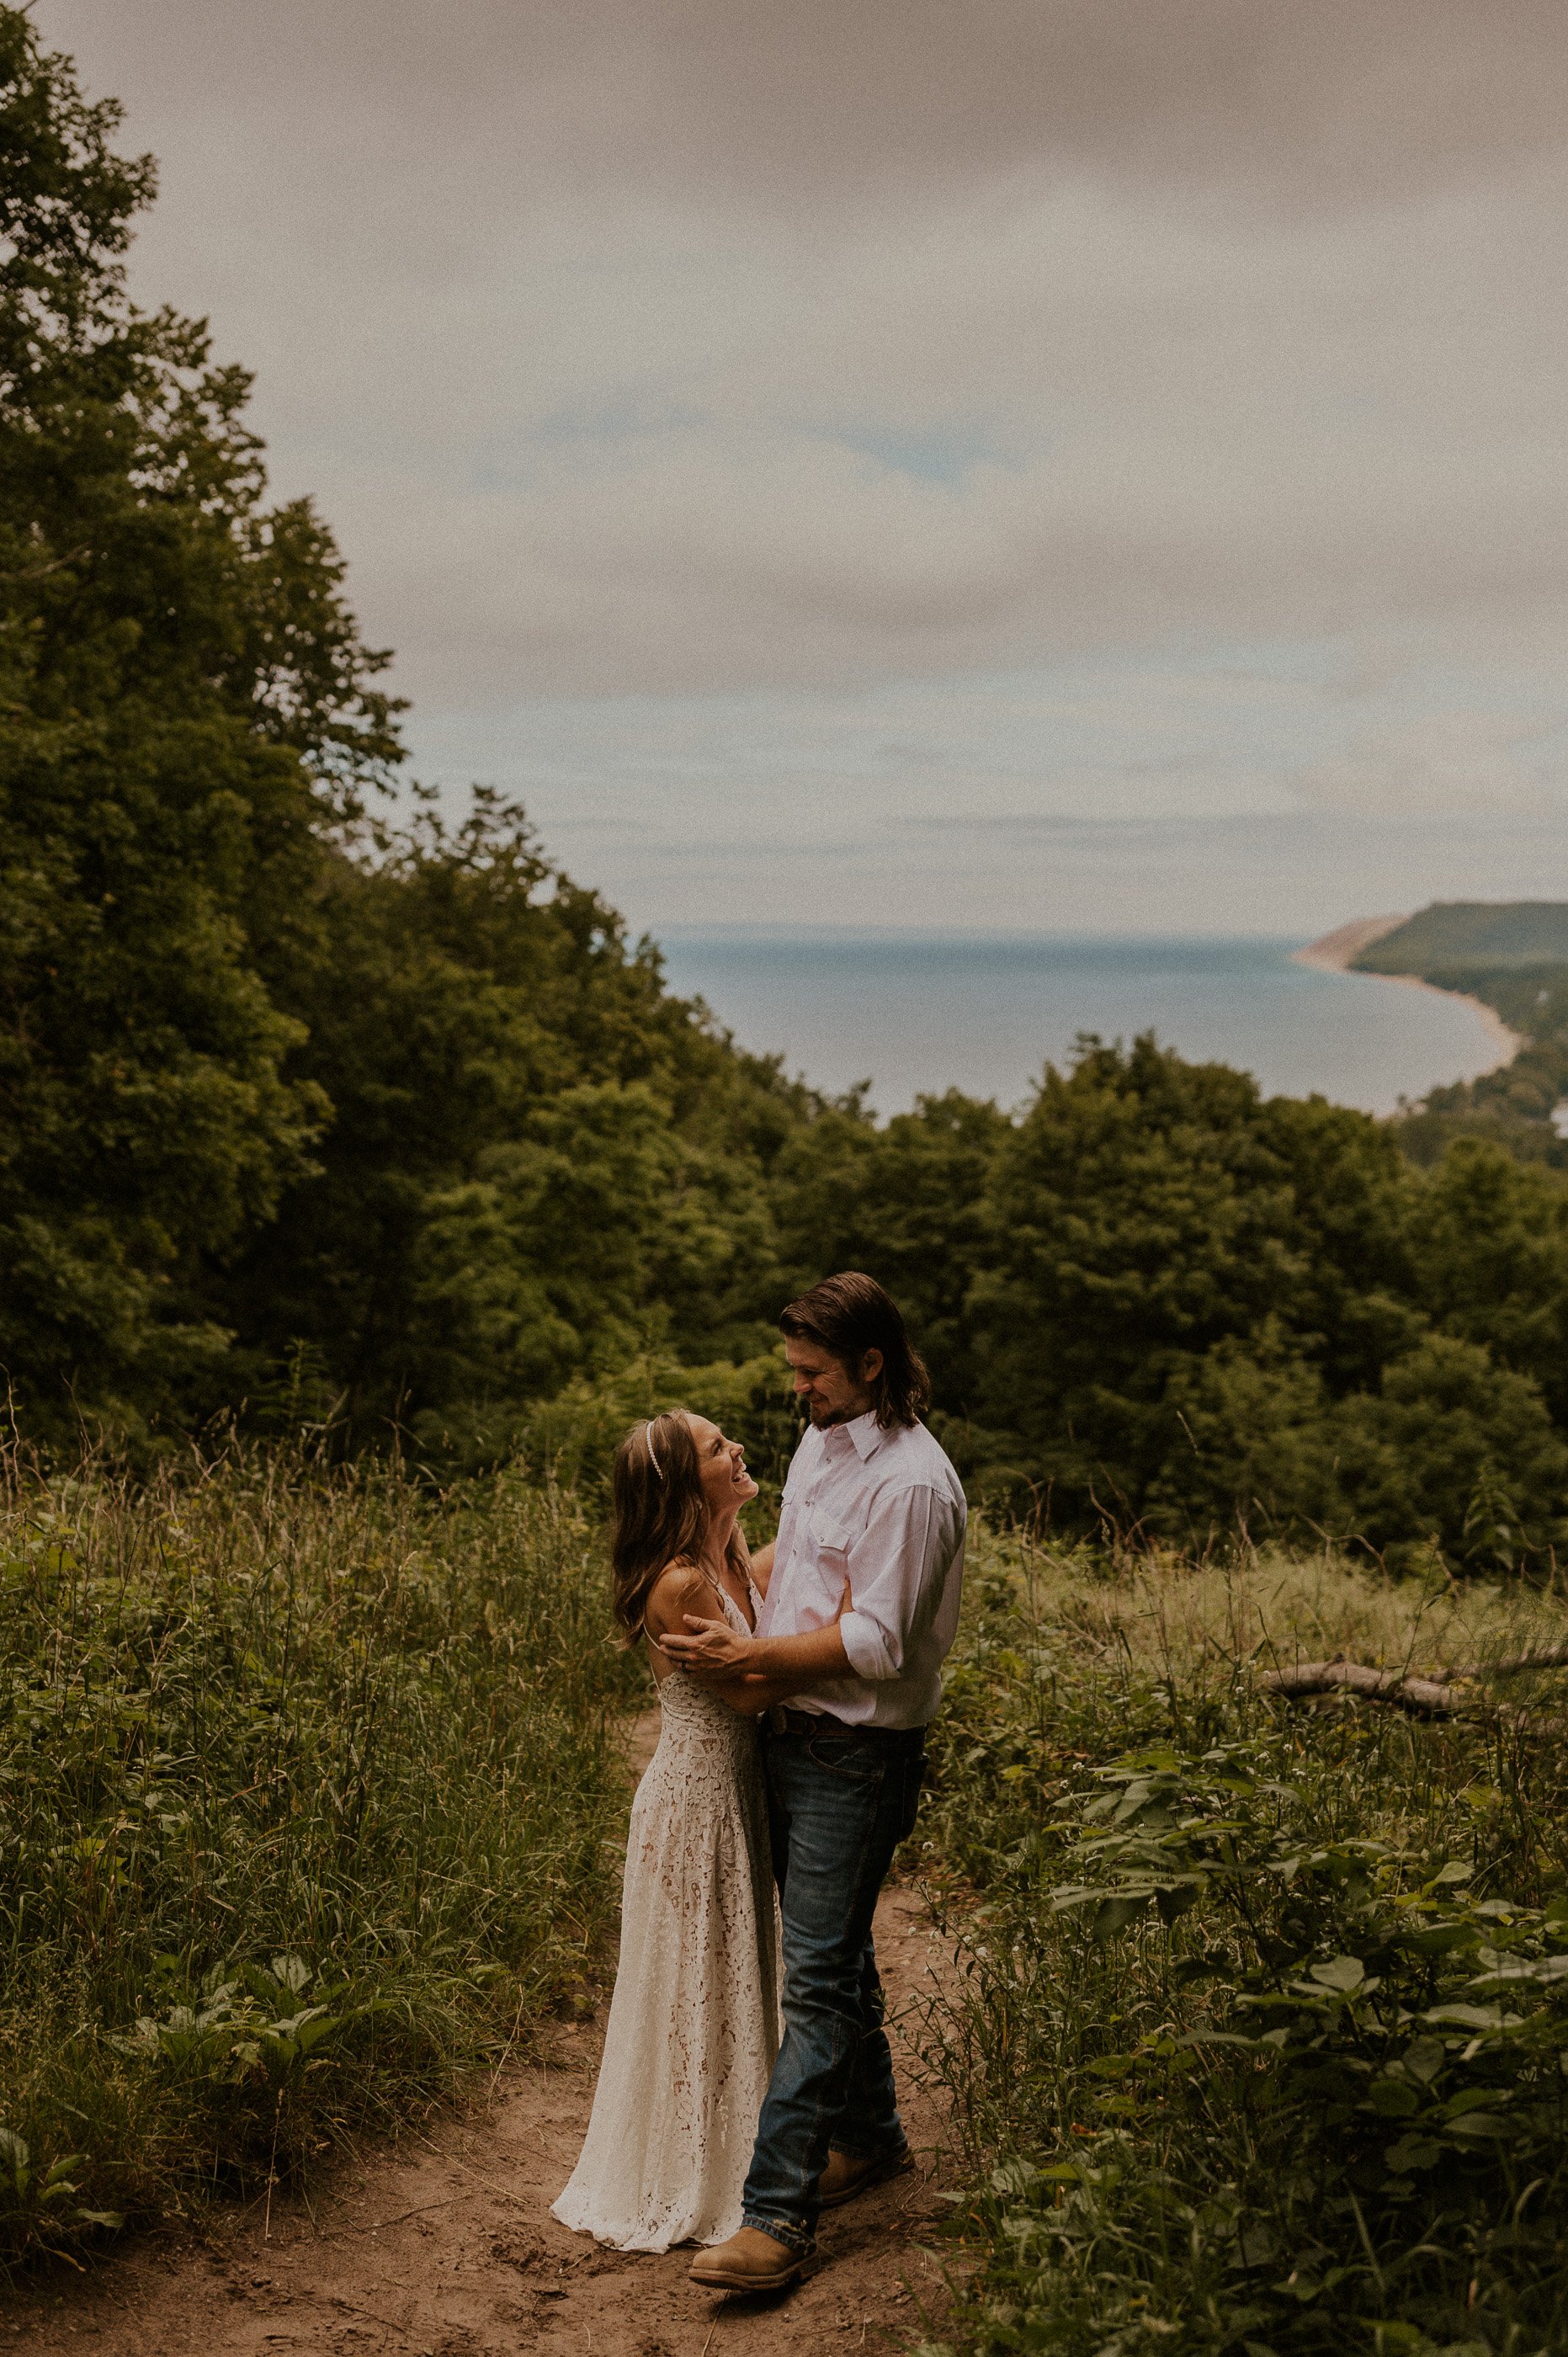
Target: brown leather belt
x=783 y=1719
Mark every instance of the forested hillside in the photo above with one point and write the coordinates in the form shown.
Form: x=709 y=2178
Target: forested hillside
x=1513 y=957
x=1463 y=937
x=316 y=1106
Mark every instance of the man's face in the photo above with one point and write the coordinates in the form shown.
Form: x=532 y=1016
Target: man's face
x=829 y=1392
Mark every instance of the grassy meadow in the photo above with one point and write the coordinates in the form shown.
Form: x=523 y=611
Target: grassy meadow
x=311 y=1793
x=1260 y=2041
x=310 y=1798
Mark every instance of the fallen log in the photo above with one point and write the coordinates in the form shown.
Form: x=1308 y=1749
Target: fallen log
x=1553 y=1657
x=1423 y=1698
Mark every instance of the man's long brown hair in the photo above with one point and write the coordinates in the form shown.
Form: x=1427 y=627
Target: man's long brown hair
x=850 y=1314
x=660 y=1514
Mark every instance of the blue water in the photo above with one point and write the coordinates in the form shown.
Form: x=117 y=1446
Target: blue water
x=915 y=1012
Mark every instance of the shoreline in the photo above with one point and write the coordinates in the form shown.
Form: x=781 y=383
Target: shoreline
x=1334 y=953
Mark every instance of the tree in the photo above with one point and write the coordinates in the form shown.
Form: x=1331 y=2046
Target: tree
x=188 y=720
x=1138 y=1215
x=537 y=1157
x=1489 y=1248
x=1458 y=1452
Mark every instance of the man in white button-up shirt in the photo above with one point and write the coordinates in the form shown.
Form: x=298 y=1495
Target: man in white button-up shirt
x=881 y=1508
x=862 y=1588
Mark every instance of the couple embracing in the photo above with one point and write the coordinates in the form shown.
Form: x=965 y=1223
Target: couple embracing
x=747 y=2082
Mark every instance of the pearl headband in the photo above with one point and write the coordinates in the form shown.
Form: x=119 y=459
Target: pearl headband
x=647 y=1437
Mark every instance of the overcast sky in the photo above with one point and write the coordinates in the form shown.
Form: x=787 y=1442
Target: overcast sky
x=1091 y=464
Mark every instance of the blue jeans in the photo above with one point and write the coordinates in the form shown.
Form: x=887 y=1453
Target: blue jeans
x=839 y=1804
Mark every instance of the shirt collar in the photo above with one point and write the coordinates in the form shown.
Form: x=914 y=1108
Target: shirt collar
x=865 y=1433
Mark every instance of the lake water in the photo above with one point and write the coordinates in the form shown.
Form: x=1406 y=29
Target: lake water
x=915 y=1012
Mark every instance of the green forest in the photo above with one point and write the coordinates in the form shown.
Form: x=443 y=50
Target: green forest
x=1513 y=957
x=318 y=1106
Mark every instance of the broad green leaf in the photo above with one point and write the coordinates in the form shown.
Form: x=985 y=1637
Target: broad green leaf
x=1114 y=1915
x=1343 y=1973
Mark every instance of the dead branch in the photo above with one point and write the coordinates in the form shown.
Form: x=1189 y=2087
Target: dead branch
x=42 y=572
x=1424 y=1697
x=1555 y=1657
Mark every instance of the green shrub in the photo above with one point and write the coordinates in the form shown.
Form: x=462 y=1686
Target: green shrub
x=1261 y=2041
x=572 y=1438
x=310 y=1788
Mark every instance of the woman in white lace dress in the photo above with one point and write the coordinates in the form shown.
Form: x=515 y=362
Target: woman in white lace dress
x=694 y=2021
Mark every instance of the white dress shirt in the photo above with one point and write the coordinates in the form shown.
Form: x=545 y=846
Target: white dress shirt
x=884 y=1510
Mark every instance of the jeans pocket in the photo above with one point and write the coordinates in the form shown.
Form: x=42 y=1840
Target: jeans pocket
x=845 y=1756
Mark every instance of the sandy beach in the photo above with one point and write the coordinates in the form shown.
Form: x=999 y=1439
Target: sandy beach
x=1334 y=953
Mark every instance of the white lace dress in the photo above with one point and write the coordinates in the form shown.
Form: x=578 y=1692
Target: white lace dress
x=694 y=2021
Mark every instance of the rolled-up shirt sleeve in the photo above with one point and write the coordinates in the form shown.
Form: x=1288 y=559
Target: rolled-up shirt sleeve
x=894 y=1574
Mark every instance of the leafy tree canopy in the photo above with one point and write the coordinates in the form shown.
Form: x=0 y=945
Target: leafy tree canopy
x=187 y=713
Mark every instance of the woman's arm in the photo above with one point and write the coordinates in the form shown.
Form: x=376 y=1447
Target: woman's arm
x=681 y=1592
x=748 y=1695
x=713 y=1651
x=762 y=1567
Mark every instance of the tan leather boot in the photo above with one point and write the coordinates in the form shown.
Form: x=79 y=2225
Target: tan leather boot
x=849 y=2173
x=749 y=2261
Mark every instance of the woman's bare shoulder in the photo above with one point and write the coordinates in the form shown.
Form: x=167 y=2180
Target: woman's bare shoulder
x=680 y=1588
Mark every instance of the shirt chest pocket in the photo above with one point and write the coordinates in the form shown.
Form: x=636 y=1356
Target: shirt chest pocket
x=831 y=1543
x=831 y=1539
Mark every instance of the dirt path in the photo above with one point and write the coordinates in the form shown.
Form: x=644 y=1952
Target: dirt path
x=446 y=2248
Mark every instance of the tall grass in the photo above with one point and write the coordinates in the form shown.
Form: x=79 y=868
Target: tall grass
x=309 y=1786
x=1261 y=2041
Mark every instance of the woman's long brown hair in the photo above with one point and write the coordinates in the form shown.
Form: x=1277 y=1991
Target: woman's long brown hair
x=660 y=1514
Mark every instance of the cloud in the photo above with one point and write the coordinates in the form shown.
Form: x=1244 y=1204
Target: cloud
x=1133 y=412
x=679 y=347
x=1319 y=104
x=1441 y=763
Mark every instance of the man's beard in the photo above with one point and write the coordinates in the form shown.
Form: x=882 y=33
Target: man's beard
x=823 y=1418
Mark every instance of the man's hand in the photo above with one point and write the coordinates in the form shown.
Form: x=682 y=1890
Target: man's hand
x=710 y=1649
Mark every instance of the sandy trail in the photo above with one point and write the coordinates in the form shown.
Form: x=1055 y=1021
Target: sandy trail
x=445 y=2248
